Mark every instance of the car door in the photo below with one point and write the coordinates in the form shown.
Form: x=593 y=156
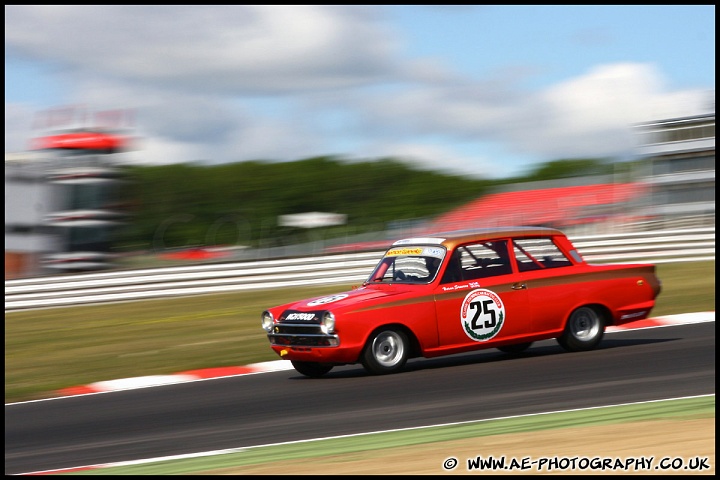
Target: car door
x=479 y=301
x=550 y=279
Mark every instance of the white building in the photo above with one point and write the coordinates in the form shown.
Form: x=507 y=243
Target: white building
x=680 y=169
x=61 y=208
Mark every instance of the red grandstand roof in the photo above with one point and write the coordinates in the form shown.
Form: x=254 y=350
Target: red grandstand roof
x=557 y=207
x=550 y=206
x=82 y=140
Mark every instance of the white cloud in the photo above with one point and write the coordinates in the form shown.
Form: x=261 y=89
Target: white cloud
x=238 y=49
x=593 y=115
x=590 y=115
x=233 y=83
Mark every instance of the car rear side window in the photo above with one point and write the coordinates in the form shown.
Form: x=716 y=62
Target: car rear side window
x=537 y=254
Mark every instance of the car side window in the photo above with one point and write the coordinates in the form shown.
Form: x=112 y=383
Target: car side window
x=478 y=260
x=538 y=254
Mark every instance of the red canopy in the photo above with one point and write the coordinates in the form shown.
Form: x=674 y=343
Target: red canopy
x=81 y=141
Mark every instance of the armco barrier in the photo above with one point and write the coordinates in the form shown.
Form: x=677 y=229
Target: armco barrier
x=651 y=247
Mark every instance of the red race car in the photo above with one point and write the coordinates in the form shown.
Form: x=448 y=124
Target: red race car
x=499 y=288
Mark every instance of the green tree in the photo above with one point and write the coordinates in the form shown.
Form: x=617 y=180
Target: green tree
x=183 y=205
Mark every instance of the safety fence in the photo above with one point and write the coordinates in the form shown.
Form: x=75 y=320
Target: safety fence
x=128 y=285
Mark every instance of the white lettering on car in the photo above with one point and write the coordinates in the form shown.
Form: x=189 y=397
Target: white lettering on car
x=324 y=300
x=300 y=316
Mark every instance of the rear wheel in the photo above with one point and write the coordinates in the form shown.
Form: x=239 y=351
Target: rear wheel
x=516 y=348
x=311 y=369
x=583 y=331
x=385 y=352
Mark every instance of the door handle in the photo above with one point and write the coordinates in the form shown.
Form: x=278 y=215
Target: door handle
x=519 y=286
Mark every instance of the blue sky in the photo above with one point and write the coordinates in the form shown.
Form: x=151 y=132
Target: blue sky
x=486 y=91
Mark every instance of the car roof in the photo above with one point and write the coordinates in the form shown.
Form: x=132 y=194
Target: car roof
x=452 y=239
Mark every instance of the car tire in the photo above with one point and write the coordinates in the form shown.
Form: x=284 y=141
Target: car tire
x=516 y=348
x=386 y=351
x=583 y=331
x=311 y=369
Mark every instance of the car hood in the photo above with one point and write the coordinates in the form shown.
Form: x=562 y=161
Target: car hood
x=348 y=299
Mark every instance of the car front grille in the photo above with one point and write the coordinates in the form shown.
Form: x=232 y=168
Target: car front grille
x=301 y=335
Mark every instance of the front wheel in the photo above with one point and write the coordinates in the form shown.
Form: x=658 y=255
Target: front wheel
x=385 y=352
x=583 y=331
x=311 y=369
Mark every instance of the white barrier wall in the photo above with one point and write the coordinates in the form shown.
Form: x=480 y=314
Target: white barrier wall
x=646 y=247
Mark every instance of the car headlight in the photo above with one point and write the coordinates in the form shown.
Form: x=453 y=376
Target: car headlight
x=267 y=321
x=328 y=323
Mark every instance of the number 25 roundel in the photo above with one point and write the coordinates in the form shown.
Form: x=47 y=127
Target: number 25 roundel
x=482 y=314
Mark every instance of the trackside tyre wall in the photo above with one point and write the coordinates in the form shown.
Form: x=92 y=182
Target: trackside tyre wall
x=584 y=329
x=386 y=351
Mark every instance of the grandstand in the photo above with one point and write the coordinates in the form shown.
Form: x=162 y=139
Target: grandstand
x=567 y=207
x=559 y=207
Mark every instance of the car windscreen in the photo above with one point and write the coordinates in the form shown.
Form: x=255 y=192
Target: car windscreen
x=409 y=264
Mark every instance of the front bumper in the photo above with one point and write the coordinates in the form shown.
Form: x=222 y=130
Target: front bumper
x=301 y=335
x=335 y=355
